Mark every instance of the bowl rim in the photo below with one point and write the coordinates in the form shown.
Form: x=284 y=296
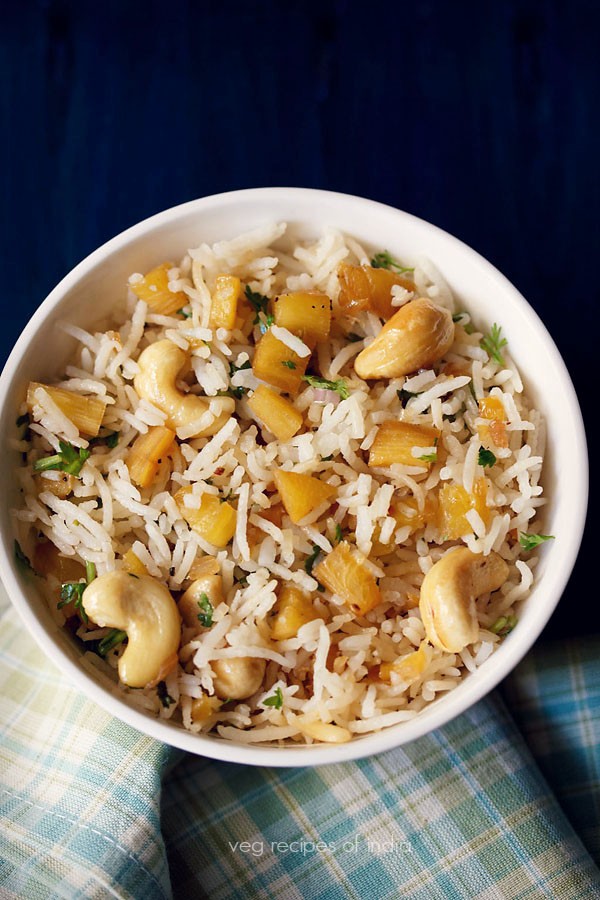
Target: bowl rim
x=471 y=690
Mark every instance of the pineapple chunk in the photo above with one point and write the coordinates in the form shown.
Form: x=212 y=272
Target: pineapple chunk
x=492 y=408
x=203 y=708
x=394 y=442
x=60 y=487
x=454 y=502
x=366 y=288
x=307 y=314
x=494 y=430
x=344 y=573
x=294 y=609
x=223 y=309
x=133 y=564
x=405 y=511
x=202 y=566
x=146 y=453
x=214 y=521
x=408 y=668
x=276 y=364
x=86 y=413
x=47 y=560
x=275 y=412
x=300 y=494
x=154 y=290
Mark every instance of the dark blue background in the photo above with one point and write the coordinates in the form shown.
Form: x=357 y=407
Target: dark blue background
x=480 y=117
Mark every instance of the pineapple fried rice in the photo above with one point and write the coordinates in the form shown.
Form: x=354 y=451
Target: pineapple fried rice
x=289 y=494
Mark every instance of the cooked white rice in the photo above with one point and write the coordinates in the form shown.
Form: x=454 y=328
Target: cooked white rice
x=327 y=673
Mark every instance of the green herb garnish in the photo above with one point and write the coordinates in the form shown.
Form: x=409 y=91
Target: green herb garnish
x=385 y=260
x=69 y=459
x=531 y=541
x=257 y=301
x=492 y=343
x=405 y=396
x=183 y=312
x=112 y=639
x=72 y=592
x=353 y=337
x=21 y=558
x=288 y=363
x=163 y=695
x=276 y=701
x=338 y=536
x=265 y=323
x=327 y=458
x=486 y=458
x=428 y=457
x=236 y=392
x=233 y=368
x=311 y=560
x=205 y=616
x=321 y=383
x=90 y=572
x=503 y=625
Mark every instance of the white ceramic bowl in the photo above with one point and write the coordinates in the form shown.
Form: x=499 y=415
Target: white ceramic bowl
x=85 y=295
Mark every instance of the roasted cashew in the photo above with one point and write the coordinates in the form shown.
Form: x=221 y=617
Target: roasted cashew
x=143 y=608
x=190 y=602
x=159 y=365
x=238 y=678
x=414 y=338
x=448 y=595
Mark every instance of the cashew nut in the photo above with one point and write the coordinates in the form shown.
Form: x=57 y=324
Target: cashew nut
x=146 y=611
x=190 y=602
x=159 y=365
x=414 y=338
x=448 y=595
x=238 y=678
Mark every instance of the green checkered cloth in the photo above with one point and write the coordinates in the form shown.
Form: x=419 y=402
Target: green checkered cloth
x=493 y=805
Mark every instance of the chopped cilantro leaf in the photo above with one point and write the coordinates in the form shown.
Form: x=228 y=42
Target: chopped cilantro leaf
x=236 y=392
x=354 y=338
x=492 y=343
x=503 y=625
x=428 y=457
x=276 y=701
x=385 y=260
x=233 y=368
x=265 y=322
x=21 y=558
x=311 y=560
x=257 y=301
x=112 y=639
x=531 y=541
x=486 y=458
x=405 y=396
x=184 y=312
x=90 y=572
x=69 y=459
x=288 y=363
x=338 y=533
x=205 y=616
x=327 y=458
x=72 y=592
x=163 y=695
x=321 y=383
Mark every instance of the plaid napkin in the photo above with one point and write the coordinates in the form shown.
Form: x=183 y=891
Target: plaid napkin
x=464 y=812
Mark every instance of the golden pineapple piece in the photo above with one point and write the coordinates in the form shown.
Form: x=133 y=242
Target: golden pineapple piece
x=405 y=510
x=300 y=494
x=146 y=452
x=203 y=565
x=154 y=290
x=86 y=413
x=276 y=364
x=133 y=564
x=60 y=487
x=492 y=408
x=223 y=309
x=416 y=337
x=47 y=560
x=394 y=442
x=366 y=288
x=345 y=573
x=214 y=521
x=275 y=412
x=307 y=314
x=455 y=502
x=409 y=667
x=203 y=708
x=294 y=609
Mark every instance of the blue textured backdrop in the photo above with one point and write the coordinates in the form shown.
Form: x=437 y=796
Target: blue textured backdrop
x=482 y=118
